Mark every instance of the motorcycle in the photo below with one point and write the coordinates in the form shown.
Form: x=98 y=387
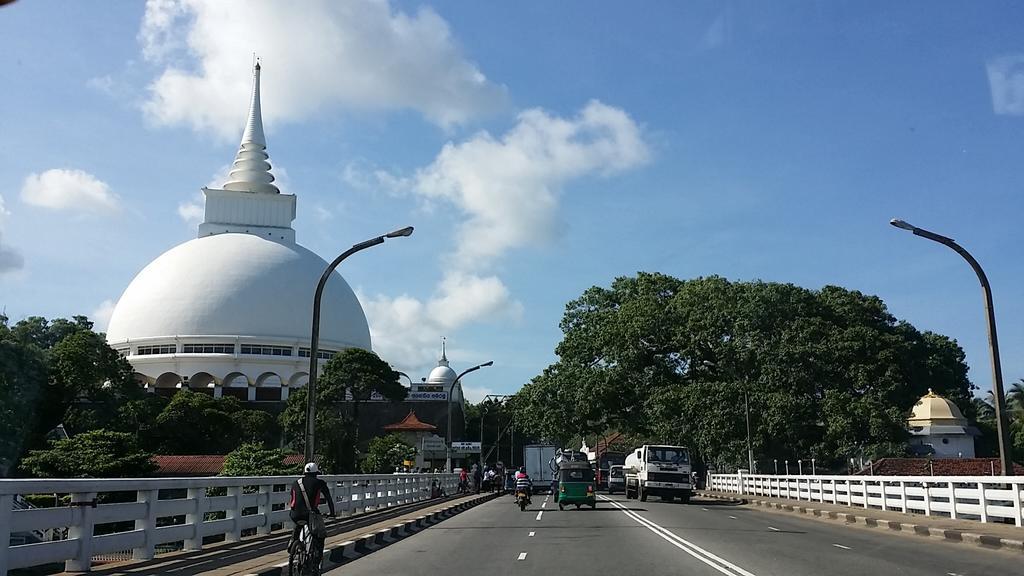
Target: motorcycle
x=523 y=499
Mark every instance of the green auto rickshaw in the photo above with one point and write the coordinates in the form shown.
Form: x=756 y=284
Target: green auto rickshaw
x=575 y=485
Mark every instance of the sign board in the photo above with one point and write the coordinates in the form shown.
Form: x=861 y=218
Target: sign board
x=432 y=446
x=466 y=447
x=421 y=396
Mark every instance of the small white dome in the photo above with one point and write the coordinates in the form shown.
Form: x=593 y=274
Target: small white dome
x=237 y=285
x=442 y=375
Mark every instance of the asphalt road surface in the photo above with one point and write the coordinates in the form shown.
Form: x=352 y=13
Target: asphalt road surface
x=626 y=537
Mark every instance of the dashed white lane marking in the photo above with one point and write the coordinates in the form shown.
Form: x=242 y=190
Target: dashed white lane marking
x=773 y=528
x=539 y=514
x=531 y=534
x=544 y=504
x=705 y=509
x=522 y=556
x=720 y=564
x=841 y=546
x=733 y=517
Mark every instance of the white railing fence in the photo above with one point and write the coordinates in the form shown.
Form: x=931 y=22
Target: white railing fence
x=105 y=518
x=981 y=498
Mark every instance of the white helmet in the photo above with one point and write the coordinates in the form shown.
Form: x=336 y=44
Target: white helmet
x=311 y=468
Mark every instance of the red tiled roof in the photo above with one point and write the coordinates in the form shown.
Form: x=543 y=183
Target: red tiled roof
x=938 y=467
x=411 y=423
x=201 y=465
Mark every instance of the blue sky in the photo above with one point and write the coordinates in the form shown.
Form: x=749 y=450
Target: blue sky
x=539 y=148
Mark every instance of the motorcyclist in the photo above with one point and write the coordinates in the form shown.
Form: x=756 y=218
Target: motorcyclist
x=524 y=484
x=305 y=497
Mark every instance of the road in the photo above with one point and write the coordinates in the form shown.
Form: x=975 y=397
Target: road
x=703 y=538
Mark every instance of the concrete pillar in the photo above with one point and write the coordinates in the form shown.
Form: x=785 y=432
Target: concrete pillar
x=252 y=394
x=81 y=531
x=195 y=518
x=147 y=524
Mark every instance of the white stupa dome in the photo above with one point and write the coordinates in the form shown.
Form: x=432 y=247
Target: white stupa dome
x=441 y=375
x=230 y=313
x=237 y=284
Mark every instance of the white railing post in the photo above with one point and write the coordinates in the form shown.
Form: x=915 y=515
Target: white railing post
x=903 y=496
x=952 y=500
x=739 y=481
x=864 y=487
x=234 y=513
x=265 y=508
x=194 y=519
x=982 y=501
x=147 y=524
x=927 y=499
x=885 y=496
x=6 y=511
x=85 y=503
x=1015 y=489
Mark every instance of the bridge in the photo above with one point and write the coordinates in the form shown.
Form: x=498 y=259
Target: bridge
x=743 y=525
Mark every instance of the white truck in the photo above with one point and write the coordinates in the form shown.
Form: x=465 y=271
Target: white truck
x=653 y=470
x=538 y=459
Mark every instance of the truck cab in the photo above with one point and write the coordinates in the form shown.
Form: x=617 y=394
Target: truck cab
x=659 y=470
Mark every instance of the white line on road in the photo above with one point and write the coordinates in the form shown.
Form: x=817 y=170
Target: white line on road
x=705 y=509
x=720 y=564
x=522 y=556
x=531 y=534
x=773 y=528
x=733 y=517
x=539 y=514
x=841 y=546
x=543 y=504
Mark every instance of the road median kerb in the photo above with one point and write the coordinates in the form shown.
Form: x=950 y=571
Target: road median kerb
x=986 y=541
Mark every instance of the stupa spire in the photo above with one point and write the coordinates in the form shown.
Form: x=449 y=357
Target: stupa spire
x=444 y=359
x=251 y=170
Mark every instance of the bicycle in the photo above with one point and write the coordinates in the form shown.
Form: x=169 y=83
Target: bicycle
x=304 y=557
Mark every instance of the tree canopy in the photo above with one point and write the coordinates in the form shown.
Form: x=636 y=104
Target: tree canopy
x=48 y=370
x=93 y=454
x=386 y=453
x=349 y=378
x=255 y=459
x=827 y=372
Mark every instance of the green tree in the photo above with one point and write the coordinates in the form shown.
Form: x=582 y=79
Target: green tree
x=256 y=426
x=255 y=459
x=360 y=373
x=828 y=372
x=386 y=453
x=332 y=426
x=49 y=369
x=194 y=423
x=93 y=454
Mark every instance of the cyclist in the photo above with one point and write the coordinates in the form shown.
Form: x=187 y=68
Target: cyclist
x=306 y=492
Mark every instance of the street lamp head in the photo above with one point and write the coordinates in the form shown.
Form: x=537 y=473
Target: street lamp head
x=488 y=363
x=407 y=231
x=901 y=224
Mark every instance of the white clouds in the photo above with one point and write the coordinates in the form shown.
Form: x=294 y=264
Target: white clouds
x=75 y=190
x=509 y=187
x=359 y=53
x=1006 y=81
x=508 y=190
x=101 y=315
x=192 y=211
x=10 y=259
x=405 y=330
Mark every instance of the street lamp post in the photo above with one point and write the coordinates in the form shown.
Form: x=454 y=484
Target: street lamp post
x=1002 y=426
x=750 y=449
x=776 y=461
x=314 y=340
x=451 y=389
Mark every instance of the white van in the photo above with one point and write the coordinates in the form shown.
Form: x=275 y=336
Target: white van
x=616 y=478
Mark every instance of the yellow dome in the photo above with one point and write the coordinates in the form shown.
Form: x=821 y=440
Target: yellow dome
x=933 y=409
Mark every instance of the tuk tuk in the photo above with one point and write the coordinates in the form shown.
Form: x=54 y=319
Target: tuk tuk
x=575 y=485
